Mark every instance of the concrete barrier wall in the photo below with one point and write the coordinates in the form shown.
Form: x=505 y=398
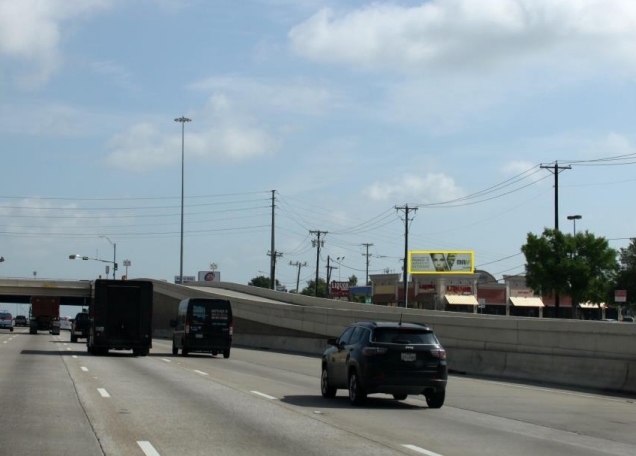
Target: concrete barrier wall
x=568 y=352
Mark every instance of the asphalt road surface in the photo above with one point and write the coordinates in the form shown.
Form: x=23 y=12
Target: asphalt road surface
x=58 y=400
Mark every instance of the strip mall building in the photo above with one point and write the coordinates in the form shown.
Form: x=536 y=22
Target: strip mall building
x=478 y=292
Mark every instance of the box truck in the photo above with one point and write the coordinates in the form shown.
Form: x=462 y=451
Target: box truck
x=121 y=317
x=45 y=314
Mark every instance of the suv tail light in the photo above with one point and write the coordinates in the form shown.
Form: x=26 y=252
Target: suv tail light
x=439 y=353
x=373 y=351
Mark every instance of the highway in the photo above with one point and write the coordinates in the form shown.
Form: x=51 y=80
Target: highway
x=58 y=400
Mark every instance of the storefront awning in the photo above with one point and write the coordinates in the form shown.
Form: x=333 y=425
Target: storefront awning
x=592 y=305
x=527 y=302
x=462 y=300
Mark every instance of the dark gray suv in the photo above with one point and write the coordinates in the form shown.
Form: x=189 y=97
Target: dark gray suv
x=385 y=357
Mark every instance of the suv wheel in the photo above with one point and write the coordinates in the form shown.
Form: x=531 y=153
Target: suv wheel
x=327 y=390
x=357 y=395
x=175 y=350
x=435 y=400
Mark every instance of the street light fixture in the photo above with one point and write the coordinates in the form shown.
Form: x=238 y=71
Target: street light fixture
x=85 y=258
x=114 y=254
x=339 y=260
x=574 y=218
x=183 y=121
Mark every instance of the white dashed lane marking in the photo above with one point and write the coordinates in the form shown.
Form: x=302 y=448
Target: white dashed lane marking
x=147 y=448
x=421 y=450
x=103 y=392
x=266 y=396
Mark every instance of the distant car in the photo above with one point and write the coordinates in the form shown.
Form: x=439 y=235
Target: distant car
x=80 y=326
x=628 y=319
x=6 y=320
x=20 y=320
x=392 y=358
x=65 y=323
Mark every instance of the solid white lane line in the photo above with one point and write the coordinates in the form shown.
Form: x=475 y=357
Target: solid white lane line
x=200 y=372
x=147 y=448
x=266 y=396
x=166 y=360
x=421 y=450
x=85 y=369
x=103 y=392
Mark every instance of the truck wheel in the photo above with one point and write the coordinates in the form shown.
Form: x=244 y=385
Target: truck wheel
x=226 y=353
x=184 y=351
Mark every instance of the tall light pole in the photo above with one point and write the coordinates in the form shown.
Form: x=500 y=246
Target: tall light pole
x=339 y=260
x=574 y=218
x=114 y=254
x=183 y=121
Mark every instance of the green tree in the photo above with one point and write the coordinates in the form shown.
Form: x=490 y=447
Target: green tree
x=626 y=277
x=582 y=266
x=353 y=281
x=262 y=282
x=322 y=288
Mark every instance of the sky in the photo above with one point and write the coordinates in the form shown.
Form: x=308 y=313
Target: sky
x=346 y=111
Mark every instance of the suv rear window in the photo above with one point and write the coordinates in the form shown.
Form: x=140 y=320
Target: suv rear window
x=81 y=317
x=404 y=336
x=5 y=315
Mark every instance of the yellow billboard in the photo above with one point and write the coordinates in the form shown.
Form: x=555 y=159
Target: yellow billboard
x=441 y=262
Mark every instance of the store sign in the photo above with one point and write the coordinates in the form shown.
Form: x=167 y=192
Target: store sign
x=620 y=295
x=339 y=288
x=441 y=262
x=209 y=276
x=186 y=279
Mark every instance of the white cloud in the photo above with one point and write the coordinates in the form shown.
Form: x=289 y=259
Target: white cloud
x=431 y=188
x=471 y=34
x=291 y=96
x=219 y=132
x=31 y=30
x=516 y=167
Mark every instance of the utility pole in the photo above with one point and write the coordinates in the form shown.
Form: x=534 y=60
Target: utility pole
x=299 y=265
x=329 y=269
x=272 y=263
x=366 y=282
x=556 y=169
x=405 y=270
x=317 y=243
x=273 y=256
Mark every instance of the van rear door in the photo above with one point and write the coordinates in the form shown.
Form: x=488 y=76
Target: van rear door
x=211 y=323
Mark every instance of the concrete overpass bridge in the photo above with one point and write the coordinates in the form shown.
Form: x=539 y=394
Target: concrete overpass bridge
x=587 y=354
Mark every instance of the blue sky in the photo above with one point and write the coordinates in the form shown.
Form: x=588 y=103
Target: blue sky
x=346 y=109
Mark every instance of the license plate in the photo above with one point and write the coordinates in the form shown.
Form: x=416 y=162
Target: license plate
x=199 y=336
x=410 y=357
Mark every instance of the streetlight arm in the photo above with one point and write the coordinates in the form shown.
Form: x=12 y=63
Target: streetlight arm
x=80 y=257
